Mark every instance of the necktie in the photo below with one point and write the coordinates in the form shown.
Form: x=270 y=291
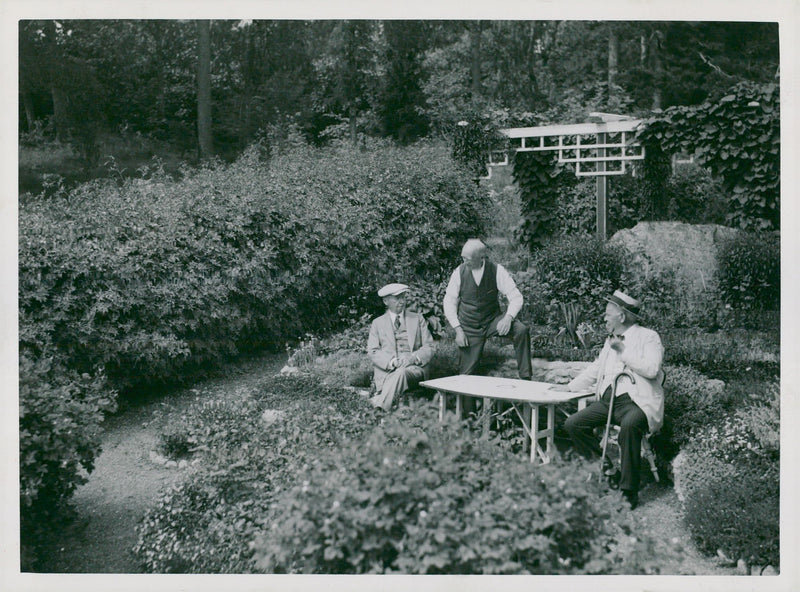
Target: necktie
x=397 y=322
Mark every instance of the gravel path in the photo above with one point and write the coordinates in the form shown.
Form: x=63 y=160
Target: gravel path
x=126 y=482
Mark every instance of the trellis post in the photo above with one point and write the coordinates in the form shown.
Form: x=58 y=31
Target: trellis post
x=602 y=184
x=614 y=142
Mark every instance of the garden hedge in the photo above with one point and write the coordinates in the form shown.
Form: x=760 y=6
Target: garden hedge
x=154 y=281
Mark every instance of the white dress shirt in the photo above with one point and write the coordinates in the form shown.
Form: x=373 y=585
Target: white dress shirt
x=505 y=284
x=613 y=366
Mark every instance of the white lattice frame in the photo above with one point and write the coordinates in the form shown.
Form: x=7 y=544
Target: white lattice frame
x=629 y=149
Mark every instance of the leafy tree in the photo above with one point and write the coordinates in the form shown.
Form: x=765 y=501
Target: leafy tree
x=204 y=89
x=346 y=72
x=402 y=101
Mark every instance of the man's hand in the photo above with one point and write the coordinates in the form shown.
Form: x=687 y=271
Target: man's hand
x=504 y=326
x=461 y=338
x=404 y=361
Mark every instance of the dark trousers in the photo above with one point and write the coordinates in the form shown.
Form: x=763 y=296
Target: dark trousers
x=469 y=357
x=633 y=425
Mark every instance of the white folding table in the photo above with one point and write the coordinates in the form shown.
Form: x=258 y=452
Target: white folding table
x=521 y=394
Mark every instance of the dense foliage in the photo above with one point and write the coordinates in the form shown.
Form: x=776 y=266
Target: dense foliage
x=59 y=437
x=152 y=279
x=418 y=498
x=750 y=271
x=729 y=479
x=538 y=176
x=738 y=138
x=251 y=446
x=572 y=270
x=692 y=402
x=348 y=78
x=314 y=480
x=155 y=281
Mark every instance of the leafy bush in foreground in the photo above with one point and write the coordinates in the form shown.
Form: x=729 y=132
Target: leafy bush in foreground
x=251 y=446
x=417 y=497
x=59 y=437
x=729 y=480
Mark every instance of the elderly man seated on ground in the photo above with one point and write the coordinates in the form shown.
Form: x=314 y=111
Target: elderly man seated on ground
x=400 y=346
x=635 y=354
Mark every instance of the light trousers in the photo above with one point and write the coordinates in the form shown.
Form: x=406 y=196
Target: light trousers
x=397 y=382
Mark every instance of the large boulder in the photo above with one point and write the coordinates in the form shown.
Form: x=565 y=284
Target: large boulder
x=687 y=250
x=556 y=372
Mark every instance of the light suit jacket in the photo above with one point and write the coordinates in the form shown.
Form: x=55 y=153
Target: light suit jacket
x=381 y=344
x=643 y=357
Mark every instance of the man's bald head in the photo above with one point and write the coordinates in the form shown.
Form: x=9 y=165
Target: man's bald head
x=473 y=247
x=473 y=253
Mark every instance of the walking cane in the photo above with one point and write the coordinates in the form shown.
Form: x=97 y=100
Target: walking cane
x=610 y=415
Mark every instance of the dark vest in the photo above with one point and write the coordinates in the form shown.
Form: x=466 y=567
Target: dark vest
x=478 y=305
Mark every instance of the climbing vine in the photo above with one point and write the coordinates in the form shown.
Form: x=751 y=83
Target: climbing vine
x=538 y=177
x=738 y=139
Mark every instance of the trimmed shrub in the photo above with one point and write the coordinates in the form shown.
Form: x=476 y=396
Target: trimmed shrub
x=159 y=281
x=416 y=497
x=750 y=271
x=578 y=270
x=729 y=480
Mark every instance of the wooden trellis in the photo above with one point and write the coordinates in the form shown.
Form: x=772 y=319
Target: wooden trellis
x=600 y=150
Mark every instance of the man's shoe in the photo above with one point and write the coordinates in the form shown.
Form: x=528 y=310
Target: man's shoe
x=632 y=497
x=613 y=476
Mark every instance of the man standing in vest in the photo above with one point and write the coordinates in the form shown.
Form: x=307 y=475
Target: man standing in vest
x=400 y=346
x=472 y=308
x=635 y=355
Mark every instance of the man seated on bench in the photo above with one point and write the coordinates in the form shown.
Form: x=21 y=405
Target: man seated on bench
x=637 y=353
x=400 y=346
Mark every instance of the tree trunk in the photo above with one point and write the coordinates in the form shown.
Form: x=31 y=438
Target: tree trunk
x=642 y=50
x=204 y=137
x=613 y=52
x=353 y=127
x=59 y=113
x=475 y=48
x=658 y=68
x=30 y=116
x=531 y=64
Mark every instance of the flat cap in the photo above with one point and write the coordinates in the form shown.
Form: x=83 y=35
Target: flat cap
x=392 y=290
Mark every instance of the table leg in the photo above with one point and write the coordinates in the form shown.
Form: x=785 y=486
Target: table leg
x=459 y=406
x=487 y=416
x=442 y=404
x=526 y=421
x=551 y=430
x=535 y=434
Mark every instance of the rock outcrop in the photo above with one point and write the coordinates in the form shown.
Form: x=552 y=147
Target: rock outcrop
x=687 y=250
